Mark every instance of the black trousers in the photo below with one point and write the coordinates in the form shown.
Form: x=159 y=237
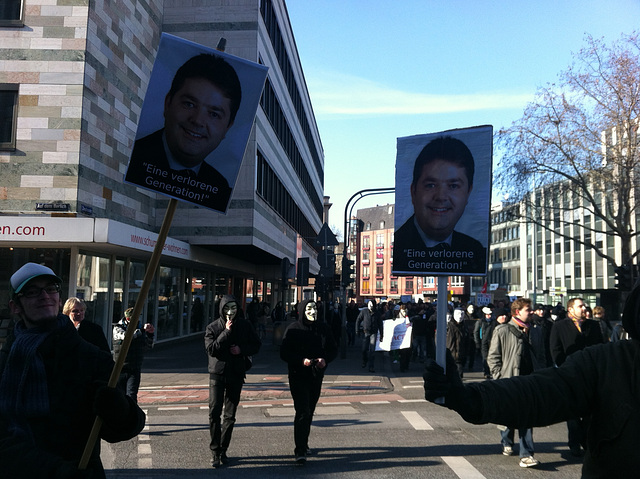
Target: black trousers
x=305 y=393
x=223 y=395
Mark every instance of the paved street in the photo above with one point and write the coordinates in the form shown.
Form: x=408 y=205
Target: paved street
x=366 y=423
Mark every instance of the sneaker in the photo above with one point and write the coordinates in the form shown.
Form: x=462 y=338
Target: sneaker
x=224 y=459
x=310 y=452
x=301 y=460
x=529 y=462
x=215 y=462
x=507 y=450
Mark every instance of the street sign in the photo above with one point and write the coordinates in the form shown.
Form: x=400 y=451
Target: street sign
x=326 y=237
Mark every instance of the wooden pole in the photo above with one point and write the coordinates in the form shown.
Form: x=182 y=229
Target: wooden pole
x=128 y=337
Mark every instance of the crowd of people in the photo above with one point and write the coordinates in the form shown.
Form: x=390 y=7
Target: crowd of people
x=546 y=365
x=539 y=361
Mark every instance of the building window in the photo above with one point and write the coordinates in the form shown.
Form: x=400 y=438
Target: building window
x=365 y=272
x=11 y=13
x=8 y=116
x=408 y=285
x=366 y=242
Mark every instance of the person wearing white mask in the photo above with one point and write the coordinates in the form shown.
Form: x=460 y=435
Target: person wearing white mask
x=307 y=347
x=457 y=339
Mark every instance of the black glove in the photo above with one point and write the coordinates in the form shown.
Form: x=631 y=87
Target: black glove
x=449 y=386
x=111 y=404
x=69 y=470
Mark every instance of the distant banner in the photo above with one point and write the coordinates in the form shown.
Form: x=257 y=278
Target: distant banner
x=195 y=123
x=443 y=203
x=397 y=335
x=482 y=299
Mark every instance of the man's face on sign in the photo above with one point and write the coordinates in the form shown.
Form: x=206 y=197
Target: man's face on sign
x=439 y=198
x=197 y=118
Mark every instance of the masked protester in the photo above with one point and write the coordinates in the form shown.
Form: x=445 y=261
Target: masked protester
x=230 y=342
x=307 y=347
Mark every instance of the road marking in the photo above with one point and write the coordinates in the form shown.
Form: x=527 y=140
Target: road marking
x=144 y=446
x=462 y=468
x=255 y=405
x=375 y=402
x=320 y=411
x=176 y=408
x=411 y=400
x=411 y=387
x=418 y=423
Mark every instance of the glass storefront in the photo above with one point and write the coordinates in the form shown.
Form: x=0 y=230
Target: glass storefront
x=93 y=286
x=181 y=301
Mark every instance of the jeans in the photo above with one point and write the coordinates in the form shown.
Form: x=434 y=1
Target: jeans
x=369 y=349
x=222 y=394
x=419 y=344
x=526 y=440
x=305 y=393
x=129 y=382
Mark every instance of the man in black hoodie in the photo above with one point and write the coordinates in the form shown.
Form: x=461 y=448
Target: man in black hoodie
x=599 y=382
x=307 y=347
x=229 y=340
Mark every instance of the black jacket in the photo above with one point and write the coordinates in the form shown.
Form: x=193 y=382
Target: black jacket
x=307 y=340
x=217 y=342
x=565 y=338
x=94 y=334
x=73 y=367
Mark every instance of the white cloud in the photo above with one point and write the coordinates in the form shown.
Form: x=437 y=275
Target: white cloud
x=337 y=94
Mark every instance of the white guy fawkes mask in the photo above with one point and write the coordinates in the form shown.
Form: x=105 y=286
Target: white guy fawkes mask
x=230 y=310
x=311 y=312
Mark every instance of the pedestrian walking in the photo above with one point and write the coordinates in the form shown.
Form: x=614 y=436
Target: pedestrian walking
x=129 y=381
x=307 y=347
x=230 y=342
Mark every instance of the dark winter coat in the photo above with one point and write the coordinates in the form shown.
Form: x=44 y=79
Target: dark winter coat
x=457 y=340
x=310 y=340
x=218 y=341
x=73 y=368
x=565 y=338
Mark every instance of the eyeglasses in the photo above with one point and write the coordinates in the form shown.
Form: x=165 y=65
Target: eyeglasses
x=35 y=291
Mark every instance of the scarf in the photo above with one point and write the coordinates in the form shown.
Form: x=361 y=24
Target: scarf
x=526 y=326
x=23 y=387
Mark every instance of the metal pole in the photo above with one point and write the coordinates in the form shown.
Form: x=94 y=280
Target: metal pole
x=345 y=251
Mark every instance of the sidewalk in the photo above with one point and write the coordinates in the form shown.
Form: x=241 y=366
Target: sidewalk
x=176 y=373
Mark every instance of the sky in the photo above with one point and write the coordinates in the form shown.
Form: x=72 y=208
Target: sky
x=378 y=70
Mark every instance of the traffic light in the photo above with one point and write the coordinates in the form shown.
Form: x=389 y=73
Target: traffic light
x=624 y=279
x=302 y=273
x=347 y=271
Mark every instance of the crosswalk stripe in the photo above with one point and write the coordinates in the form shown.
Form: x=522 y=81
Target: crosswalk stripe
x=418 y=423
x=462 y=468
